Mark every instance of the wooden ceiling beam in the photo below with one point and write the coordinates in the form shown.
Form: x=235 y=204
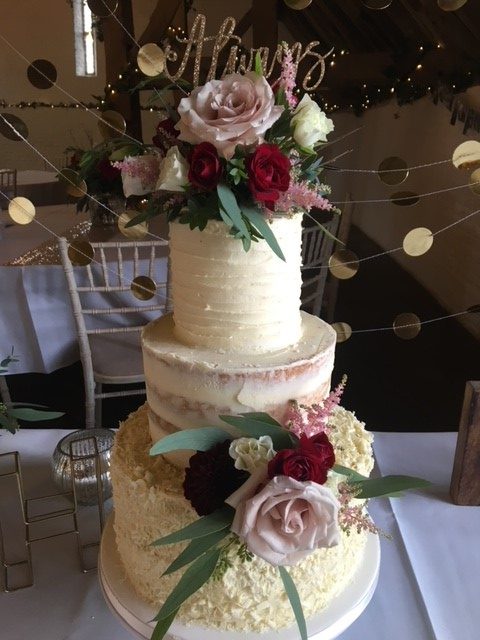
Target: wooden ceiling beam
x=161 y=18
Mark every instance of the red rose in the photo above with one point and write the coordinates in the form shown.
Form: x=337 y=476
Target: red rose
x=311 y=461
x=268 y=174
x=205 y=166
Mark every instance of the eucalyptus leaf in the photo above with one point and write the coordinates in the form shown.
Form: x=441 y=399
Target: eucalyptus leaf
x=230 y=205
x=194 y=577
x=281 y=438
x=216 y=521
x=194 y=439
x=388 y=486
x=261 y=416
x=34 y=415
x=294 y=598
x=163 y=626
x=351 y=474
x=258 y=221
x=196 y=548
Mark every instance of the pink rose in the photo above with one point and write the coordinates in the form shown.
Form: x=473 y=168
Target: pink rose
x=236 y=110
x=286 y=520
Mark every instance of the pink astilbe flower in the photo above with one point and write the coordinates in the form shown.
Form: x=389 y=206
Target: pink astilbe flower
x=302 y=195
x=145 y=168
x=287 y=78
x=310 y=420
x=353 y=516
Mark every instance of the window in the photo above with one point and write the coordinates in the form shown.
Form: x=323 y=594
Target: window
x=85 y=49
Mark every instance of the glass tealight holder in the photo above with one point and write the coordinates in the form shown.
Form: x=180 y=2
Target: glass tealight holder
x=85 y=455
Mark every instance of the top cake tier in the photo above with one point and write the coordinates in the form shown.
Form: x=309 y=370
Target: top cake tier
x=227 y=299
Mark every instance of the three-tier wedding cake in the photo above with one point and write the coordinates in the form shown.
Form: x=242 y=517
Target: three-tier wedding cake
x=237 y=342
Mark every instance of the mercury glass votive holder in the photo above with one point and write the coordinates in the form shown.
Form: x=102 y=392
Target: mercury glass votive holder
x=84 y=457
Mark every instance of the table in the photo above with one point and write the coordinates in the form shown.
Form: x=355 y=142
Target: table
x=428 y=587
x=41 y=187
x=35 y=313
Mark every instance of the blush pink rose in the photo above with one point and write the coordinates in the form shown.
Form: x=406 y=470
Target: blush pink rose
x=286 y=520
x=235 y=110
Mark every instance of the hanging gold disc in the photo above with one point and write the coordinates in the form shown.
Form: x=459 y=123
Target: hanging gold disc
x=16 y=123
x=393 y=171
x=80 y=253
x=75 y=186
x=377 y=5
x=138 y=231
x=467 y=155
x=21 y=210
x=151 y=59
x=298 y=5
x=451 y=5
x=343 y=264
x=143 y=287
x=418 y=241
x=42 y=74
x=404 y=198
x=407 y=326
x=112 y=125
x=343 y=331
x=475 y=182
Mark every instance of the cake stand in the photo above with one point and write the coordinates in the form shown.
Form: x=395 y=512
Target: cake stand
x=135 y=614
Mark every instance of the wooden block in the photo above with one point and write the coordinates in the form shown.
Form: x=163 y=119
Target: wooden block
x=465 y=483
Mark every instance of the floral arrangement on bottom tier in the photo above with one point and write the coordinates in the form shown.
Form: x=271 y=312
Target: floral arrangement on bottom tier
x=275 y=492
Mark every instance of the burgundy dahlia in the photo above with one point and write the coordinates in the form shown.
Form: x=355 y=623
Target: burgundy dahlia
x=211 y=478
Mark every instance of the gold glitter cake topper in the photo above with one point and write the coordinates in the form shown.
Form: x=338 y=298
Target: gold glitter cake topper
x=238 y=60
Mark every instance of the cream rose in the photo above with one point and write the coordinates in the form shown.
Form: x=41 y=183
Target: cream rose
x=173 y=171
x=310 y=124
x=286 y=520
x=251 y=453
x=235 y=110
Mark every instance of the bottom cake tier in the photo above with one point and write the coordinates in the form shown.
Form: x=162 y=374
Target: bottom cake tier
x=249 y=597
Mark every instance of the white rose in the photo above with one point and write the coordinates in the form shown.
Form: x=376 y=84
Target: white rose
x=238 y=109
x=173 y=171
x=251 y=453
x=310 y=123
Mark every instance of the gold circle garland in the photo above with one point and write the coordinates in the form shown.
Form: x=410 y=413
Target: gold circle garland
x=80 y=253
x=42 y=74
x=418 y=241
x=393 y=171
x=143 y=288
x=21 y=210
x=138 y=231
x=151 y=59
x=343 y=331
x=343 y=264
x=404 y=198
x=112 y=125
x=407 y=326
x=17 y=123
x=467 y=155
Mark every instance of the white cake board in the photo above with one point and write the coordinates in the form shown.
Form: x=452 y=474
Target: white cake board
x=135 y=614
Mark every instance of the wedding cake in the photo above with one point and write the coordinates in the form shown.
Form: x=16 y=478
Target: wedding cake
x=240 y=486
x=237 y=342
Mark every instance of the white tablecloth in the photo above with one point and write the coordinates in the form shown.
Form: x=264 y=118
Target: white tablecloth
x=429 y=577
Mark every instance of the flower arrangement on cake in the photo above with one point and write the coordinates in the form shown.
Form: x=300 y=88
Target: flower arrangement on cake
x=274 y=492
x=242 y=151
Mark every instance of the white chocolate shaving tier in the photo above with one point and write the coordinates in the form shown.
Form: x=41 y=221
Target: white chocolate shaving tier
x=227 y=298
x=149 y=504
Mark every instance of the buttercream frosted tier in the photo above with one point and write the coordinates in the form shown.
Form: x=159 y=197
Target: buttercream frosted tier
x=227 y=298
x=149 y=504
x=190 y=387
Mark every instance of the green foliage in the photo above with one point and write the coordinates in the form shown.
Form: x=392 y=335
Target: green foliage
x=261 y=424
x=386 y=487
x=258 y=222
x=292 y=593
x=196 y=548
x=216 y=521
x=194 y=577
x=163 y=626
x=194 y=439
x=258 y=64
